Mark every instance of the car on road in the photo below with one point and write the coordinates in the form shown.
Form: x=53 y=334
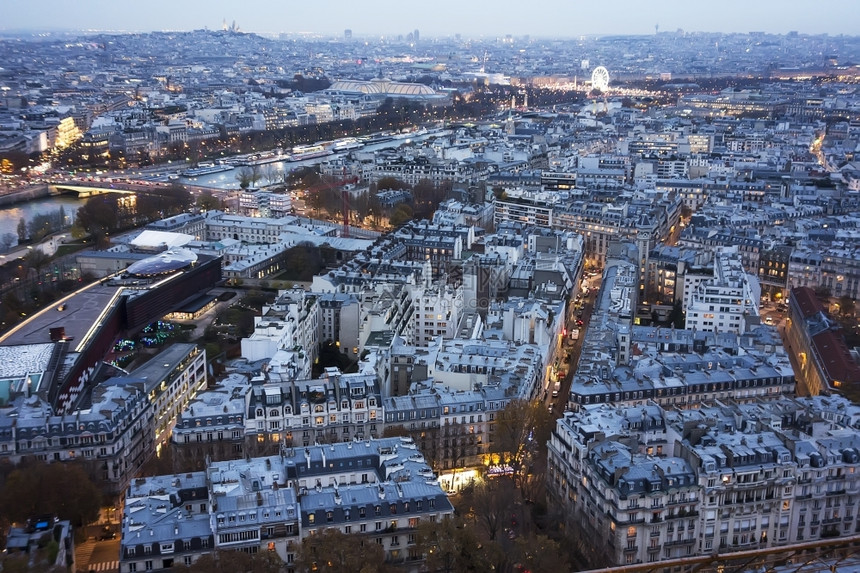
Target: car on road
x=107 y=534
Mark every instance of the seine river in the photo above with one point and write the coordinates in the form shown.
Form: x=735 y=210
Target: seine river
x=9 y=216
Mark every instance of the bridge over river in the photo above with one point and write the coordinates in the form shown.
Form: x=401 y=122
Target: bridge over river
x=84 y=189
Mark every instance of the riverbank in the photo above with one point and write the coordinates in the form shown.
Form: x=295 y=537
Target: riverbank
x=25 y=195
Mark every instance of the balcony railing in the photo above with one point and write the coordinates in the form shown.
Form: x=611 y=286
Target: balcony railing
x=687 y=541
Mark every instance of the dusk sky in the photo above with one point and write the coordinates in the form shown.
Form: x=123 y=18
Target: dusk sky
x=471 y=18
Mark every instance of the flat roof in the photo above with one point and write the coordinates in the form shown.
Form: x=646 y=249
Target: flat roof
x=82 y=309
x=154 y=239
x=20 y=360
x=158 y=367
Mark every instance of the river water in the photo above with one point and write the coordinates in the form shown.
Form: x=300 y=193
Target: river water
x=9 y=216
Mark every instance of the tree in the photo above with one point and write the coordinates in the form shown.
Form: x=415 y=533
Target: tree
x=686 y=211
x=43 y=224
x=426 y=197
x=36 y=259
x=522 y=430
x=63 y=489
x=272 y=175
x=450 y=546
x=8 y=240
x=822 y=292
x=539 y=554
x=846 y=306
x=391 y=183
x=233 y=562
x=401 y=214
x=248 y=176
x=20 y=562
x=98 y=216
x=335 y=552
x=206 y=201
x=490 y=503
x=22 y=230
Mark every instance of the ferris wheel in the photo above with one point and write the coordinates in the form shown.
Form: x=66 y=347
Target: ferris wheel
x=600 y=79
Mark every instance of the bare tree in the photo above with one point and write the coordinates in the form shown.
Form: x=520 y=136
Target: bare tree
x=272 y=175
x=248 y=176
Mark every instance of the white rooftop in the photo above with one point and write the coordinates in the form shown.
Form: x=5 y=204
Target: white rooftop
x=149 y=239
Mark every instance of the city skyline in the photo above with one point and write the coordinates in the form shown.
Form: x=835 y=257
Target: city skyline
x=445 y=18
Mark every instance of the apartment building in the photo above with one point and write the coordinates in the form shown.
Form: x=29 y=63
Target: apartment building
x=729 y=301
x=379 y=489
x=653 y=484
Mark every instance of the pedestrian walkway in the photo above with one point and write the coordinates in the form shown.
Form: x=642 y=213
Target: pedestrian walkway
x=104 y=566
x=83 y=551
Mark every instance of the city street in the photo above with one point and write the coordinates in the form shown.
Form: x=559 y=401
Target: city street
x=98 y=556
x=574 y=347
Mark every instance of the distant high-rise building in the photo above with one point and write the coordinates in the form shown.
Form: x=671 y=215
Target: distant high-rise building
x=347 y=34
x=416 y=35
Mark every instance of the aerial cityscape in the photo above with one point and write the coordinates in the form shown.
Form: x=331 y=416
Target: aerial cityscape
x=448 y=288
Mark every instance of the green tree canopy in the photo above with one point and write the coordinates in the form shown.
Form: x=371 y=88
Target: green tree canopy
x=208 y=202
x=401 y=214
x=98 y=215
x=63 y=489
